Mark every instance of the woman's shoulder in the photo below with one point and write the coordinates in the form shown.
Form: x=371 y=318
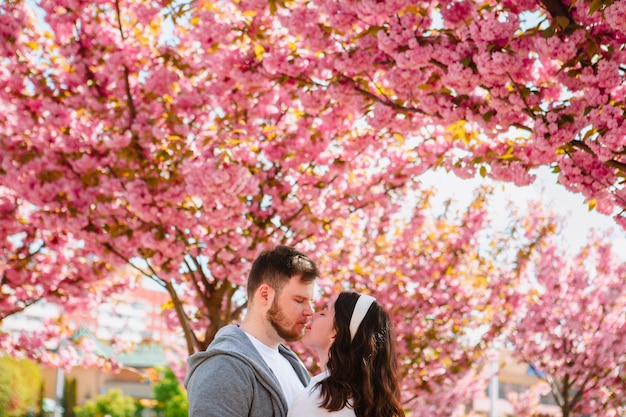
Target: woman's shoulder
x=307 y=402
x=317 y=378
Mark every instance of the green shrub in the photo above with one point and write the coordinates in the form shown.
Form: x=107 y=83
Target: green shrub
x=170 y=396
x=113 y=404
x=21 y=387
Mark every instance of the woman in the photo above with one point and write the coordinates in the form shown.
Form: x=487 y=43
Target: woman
x=354 y=342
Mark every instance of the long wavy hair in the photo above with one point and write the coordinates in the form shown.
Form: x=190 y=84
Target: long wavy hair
x=363 y=373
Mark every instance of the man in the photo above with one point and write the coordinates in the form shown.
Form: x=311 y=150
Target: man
x=246 y=370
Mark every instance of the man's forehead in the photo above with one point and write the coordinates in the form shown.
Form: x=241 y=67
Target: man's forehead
x=295 y=285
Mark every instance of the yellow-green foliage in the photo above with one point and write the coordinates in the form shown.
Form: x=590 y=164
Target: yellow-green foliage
x=171 y=397
x=113 y=404
x=21 y=386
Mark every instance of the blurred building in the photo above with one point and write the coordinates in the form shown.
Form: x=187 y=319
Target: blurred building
x=133 y=378
x=512 y=377
x=134 y=318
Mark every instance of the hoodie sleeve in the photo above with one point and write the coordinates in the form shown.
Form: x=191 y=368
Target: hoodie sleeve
x=220 y=388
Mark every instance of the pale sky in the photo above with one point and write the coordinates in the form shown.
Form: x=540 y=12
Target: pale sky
x=579 y=220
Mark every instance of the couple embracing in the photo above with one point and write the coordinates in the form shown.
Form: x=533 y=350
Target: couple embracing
x=248 y=371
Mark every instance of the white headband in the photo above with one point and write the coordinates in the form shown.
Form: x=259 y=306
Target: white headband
x=361 y=308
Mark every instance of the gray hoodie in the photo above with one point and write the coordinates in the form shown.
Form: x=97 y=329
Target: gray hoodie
x=230 y=379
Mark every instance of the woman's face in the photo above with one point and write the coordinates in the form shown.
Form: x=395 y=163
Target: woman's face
x=320 y=334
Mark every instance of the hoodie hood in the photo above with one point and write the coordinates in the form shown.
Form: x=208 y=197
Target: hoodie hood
x=232 y=341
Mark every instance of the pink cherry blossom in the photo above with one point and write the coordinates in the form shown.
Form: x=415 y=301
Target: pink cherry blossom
x=181 y=145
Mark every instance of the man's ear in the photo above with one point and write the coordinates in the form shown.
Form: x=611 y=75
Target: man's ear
x=266 y=294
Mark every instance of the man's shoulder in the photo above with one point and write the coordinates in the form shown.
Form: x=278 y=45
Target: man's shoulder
x=225 y=354
x=226 y=337
x=225 y=362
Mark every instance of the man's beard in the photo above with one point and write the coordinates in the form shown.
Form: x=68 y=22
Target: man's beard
x=277 y=319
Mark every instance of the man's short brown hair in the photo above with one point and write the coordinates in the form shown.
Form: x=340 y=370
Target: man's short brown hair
x=275 y=267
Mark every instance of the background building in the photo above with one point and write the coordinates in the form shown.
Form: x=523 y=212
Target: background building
x=134 y=318
x=512 y=377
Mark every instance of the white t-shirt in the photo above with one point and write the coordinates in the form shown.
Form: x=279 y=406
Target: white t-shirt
x=307 y=402
x=286 y=375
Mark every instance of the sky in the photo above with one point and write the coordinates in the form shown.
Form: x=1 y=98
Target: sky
x=579 y=220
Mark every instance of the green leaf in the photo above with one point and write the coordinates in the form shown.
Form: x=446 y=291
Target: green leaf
x=595 y=6
x=562 y=21
x=549 y=32
x=90 y=178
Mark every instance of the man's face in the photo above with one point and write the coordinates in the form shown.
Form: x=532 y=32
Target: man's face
x=291 y=309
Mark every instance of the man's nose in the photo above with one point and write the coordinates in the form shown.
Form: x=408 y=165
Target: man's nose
x=308 y=310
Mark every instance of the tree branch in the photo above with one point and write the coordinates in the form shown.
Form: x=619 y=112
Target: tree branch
x=610 y=163
x=557 y=9
x=194 y=281
x=384 y=101
x=129 y=97
x=190 y=337
x=154 y=278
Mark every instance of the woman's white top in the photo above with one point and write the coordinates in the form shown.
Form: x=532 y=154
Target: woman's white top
x=307 y=402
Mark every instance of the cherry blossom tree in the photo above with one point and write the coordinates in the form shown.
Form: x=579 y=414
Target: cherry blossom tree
x=572 y=327
x=493 y=89
x=38 y=264
x=131 y=147
x=449 y=281
x=181 y=138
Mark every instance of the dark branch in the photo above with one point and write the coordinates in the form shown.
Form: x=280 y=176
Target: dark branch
x=610 y=163
x=129 y=97
x=557 y=9
x=385 y=100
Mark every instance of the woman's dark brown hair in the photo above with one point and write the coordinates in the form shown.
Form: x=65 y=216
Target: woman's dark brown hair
x=363 y=372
